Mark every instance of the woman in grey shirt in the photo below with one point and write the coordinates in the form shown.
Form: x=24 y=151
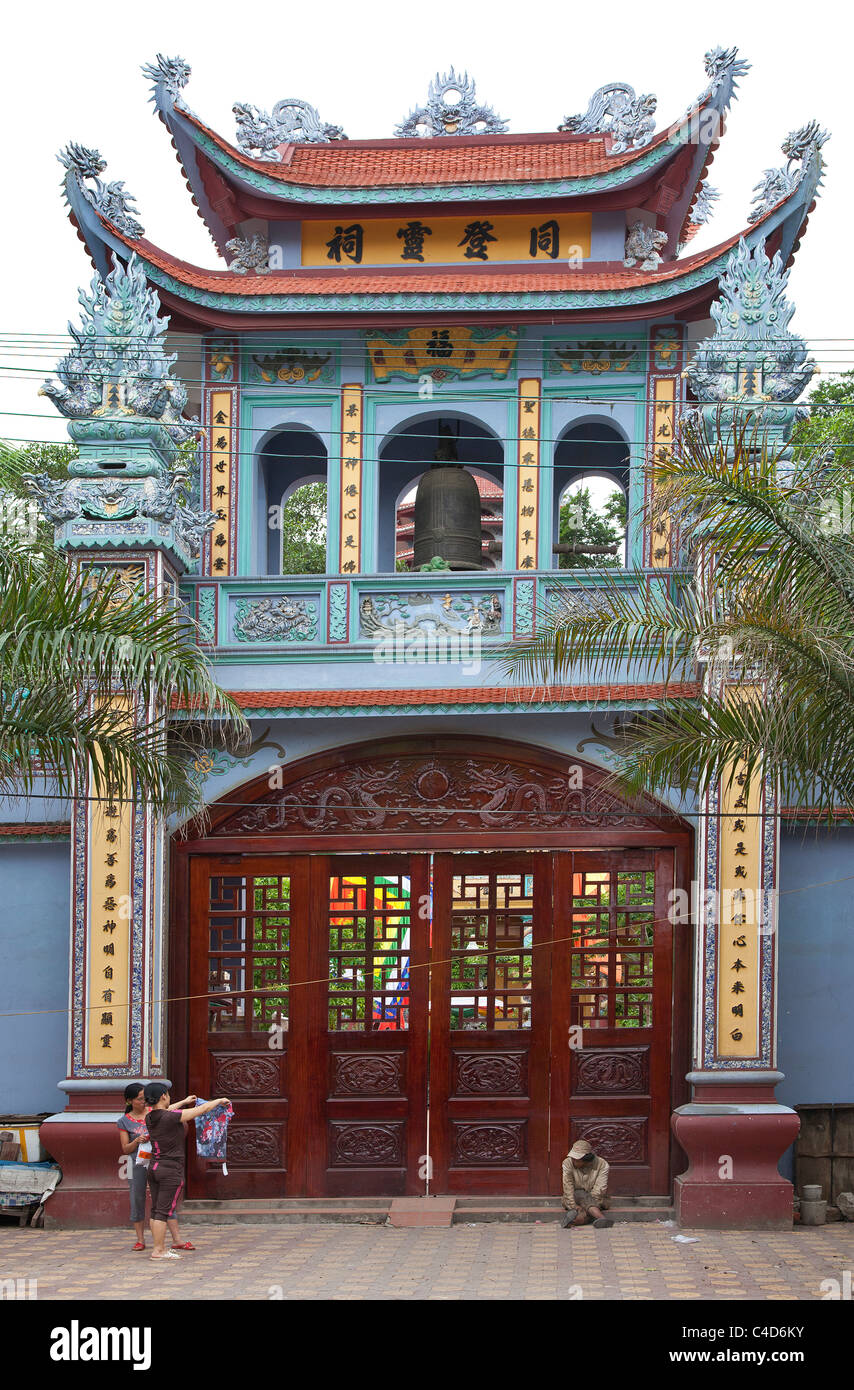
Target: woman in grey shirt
x=133 y=1132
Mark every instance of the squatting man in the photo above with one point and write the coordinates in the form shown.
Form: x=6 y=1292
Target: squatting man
x=585 y=1187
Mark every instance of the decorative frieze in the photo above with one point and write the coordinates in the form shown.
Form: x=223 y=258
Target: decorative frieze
x=275 y=620
x=442 y=353
x=595 y=356
x=291 y=366
x=391 y=615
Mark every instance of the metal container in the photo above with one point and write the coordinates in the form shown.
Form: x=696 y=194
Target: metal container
x=811 y=1192
x=447 y=518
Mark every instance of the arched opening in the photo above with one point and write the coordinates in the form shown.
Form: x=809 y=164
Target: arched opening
x=292 y=503
x=591 y=488
x=405 y=456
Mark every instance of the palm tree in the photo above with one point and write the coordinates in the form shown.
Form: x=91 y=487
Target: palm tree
x=769 y=595
x=89 y=670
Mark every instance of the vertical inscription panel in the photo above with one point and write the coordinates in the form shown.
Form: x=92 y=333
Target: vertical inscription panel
x=528 y=457
x=350 y=543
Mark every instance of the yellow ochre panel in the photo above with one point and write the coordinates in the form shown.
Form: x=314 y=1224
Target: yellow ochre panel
x=468 y=240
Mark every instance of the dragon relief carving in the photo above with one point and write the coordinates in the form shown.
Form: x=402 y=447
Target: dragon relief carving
x=429 y=793
x=616 y=110
x=292 y=122
x=111 y=200
x=802 y=149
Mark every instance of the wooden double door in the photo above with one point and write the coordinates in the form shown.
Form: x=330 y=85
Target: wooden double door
x=389 y=1025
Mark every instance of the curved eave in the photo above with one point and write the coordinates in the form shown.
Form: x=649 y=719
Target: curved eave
x=222 y=178
x=202 y=299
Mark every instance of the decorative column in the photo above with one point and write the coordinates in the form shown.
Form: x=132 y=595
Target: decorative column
x=733 y=1131
x=121 y=511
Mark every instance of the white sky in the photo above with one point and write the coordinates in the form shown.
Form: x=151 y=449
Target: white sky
x=72 y=73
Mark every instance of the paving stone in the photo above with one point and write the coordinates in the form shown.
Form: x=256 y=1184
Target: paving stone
x=513 y=1261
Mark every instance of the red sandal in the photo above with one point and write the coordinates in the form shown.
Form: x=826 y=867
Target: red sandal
x=138 y=1246
x=186 y=1246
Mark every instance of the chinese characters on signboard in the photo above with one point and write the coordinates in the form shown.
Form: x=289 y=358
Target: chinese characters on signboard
x=440 y=240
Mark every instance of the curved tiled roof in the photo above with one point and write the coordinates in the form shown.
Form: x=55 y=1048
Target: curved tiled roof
x=463 y=695
x=500 y=279
x=475 y=159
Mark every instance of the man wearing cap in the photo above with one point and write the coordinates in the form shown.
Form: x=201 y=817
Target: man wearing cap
x=585 y=1187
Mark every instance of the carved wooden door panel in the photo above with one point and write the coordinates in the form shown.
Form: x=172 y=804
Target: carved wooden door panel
x=612 y=975
x=489 y=1023
x=248 y=1041
x=368 y=1026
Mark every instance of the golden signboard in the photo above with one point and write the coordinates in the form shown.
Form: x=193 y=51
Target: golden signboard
x=442 y=351
x=528 y=494
x=350 y=546
x=740 y=915
x=663 y=429
x=468 y=240
x=109 y=912
x=220 y=481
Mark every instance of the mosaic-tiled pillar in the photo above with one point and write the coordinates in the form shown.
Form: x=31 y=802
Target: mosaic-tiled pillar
x=124 y=515
x=117 y=1011
x=733 y=1131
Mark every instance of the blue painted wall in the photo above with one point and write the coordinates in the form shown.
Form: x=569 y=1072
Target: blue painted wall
x=35 y=897
x=816 y=969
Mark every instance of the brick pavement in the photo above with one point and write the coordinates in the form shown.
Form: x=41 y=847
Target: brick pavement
x=488 y=1261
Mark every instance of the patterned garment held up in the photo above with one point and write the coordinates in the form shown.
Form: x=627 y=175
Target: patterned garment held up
x=212 y=1132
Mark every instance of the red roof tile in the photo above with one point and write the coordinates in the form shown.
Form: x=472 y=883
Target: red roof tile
x=19 y=829
x=423 y=279
x=477 y=695
x=479 y=159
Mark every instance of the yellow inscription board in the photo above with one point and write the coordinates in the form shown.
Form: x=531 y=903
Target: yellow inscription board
x=740 y=909
x=663 y=427
x=351 y=480
x=528 y=474
x=469 y=240
x=221 y=481
x=442 y=350
x=109 y=914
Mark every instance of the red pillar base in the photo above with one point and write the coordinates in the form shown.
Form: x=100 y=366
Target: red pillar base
x=93 y=1191
x=734 y=1135
x=85 y=1142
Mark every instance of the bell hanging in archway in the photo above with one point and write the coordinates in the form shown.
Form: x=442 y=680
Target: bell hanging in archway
x=447 y=511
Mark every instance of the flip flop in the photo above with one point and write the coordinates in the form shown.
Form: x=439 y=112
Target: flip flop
x=188 y=1245
x=167 y=1255
x=138 y=1246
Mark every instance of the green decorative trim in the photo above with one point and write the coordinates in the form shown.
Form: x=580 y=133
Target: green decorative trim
x=435 y=193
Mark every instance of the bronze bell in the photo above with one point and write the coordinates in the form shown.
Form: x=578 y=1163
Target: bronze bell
x=447 y=512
